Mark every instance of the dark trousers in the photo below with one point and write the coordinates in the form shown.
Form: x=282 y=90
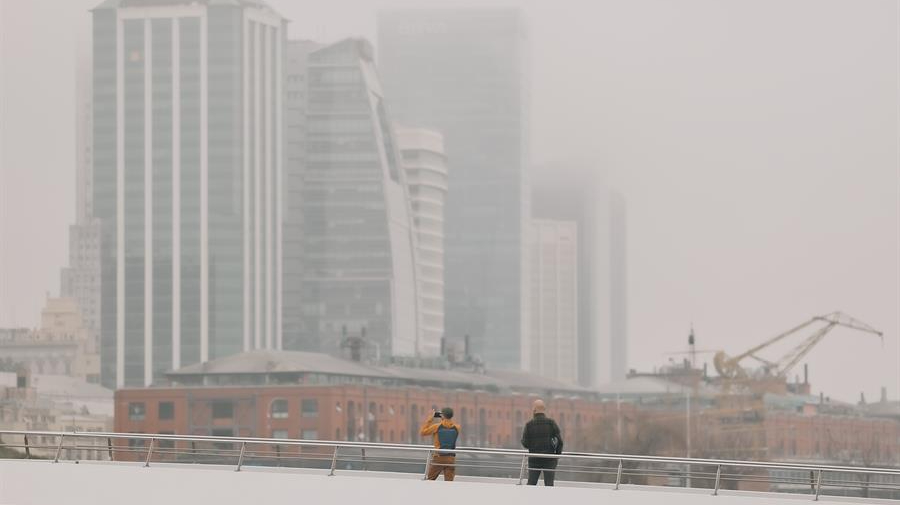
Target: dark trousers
x=538 y=465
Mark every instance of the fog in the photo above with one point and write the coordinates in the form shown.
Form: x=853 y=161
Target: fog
x=756 y=144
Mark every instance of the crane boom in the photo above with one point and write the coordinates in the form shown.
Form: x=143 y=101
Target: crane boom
x=839 y=318
x=730 y=366
x=777 y=338
x=835 y=319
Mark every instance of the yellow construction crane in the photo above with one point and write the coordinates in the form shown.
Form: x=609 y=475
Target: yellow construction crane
x=730 y=367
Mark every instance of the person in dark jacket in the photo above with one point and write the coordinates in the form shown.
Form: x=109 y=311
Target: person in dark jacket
x=542 y=436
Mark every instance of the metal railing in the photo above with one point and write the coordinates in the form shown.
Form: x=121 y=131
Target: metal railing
x=504 y=465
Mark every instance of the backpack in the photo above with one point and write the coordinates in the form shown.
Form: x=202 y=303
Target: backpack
x=447 y=439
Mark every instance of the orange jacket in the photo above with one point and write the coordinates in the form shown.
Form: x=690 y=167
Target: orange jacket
x=430 y=428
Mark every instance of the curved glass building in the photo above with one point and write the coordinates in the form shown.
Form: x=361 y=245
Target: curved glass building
x=358 y=261
x=425 y=165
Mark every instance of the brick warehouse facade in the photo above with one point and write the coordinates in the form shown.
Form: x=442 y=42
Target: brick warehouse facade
x=319 y=397
x=287 y=395
x=345 y=412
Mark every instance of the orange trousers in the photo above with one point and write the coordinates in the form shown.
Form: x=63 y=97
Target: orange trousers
x=442 y=464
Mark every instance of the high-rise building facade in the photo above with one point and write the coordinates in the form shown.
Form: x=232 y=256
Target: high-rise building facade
x=187 y=129
x=583 y=196
x=554 y=300
x=295 y=149
x=425 y=164
x=465 y=73
x=358 y=261
x=618 y=284
x=80 y=280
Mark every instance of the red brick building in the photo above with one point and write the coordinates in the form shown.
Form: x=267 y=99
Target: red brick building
x=314 y=396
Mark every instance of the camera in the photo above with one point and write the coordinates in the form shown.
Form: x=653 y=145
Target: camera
x=437 y=414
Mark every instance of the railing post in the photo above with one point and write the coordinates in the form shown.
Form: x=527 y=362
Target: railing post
x=619 y=475
x=818 y=485
x=427 y=464
x=59 y=448
x=27 y=449
x=365 y=464
x=718 y=478
x=149 y=452
x=109 y=447
x=241 y=457
x=194 y=450
x=522 y=470
x=334 y=461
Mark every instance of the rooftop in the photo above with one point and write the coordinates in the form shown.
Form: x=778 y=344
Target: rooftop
x=883 y=409
x=121 y=4
x=287 y=364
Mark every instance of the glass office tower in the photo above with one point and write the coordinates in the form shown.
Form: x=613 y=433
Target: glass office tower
x=187 y=176
x=358 y=261
x=465 y=73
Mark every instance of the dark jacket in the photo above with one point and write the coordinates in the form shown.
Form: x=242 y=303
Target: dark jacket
x=539 y=434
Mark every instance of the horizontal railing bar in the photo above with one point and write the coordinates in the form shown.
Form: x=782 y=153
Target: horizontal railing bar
x=465 y=450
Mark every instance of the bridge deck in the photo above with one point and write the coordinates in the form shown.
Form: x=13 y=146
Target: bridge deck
x=25 y=482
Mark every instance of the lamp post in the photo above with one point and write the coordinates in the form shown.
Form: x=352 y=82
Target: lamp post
x=688 y=435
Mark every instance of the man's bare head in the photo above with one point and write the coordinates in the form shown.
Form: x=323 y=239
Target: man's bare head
x=538 y=407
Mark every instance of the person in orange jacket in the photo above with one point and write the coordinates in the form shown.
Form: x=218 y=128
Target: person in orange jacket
x=445 y=434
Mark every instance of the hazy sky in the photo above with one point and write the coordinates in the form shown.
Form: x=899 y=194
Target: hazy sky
x=756 y=142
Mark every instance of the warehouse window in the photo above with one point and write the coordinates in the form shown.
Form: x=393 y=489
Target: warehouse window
x=166 y=410
x=136 y=411
x=279 y=409
x=222 y=409
x=310 y=408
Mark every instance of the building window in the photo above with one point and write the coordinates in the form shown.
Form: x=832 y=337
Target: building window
x=309 y=408
x=166 y=410
x=279 y=433
x=223 y=432
x=136 y=443
x=136 y=411
x=310 y=435
x=166 y=444
x=222 y=409
x=279 y=409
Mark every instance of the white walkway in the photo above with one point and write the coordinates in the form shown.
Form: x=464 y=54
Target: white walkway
x=40 y=482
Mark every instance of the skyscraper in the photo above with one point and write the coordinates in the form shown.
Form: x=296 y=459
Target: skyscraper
x=618 y=283
x=582 y=195
x=187 y=176
x=80 y=280
x=554 y=299
x=425 y=164
x=295 y=150
x=465 y=73
x=358 y=261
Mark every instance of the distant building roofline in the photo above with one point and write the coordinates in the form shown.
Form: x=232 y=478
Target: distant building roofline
x=265 y=363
